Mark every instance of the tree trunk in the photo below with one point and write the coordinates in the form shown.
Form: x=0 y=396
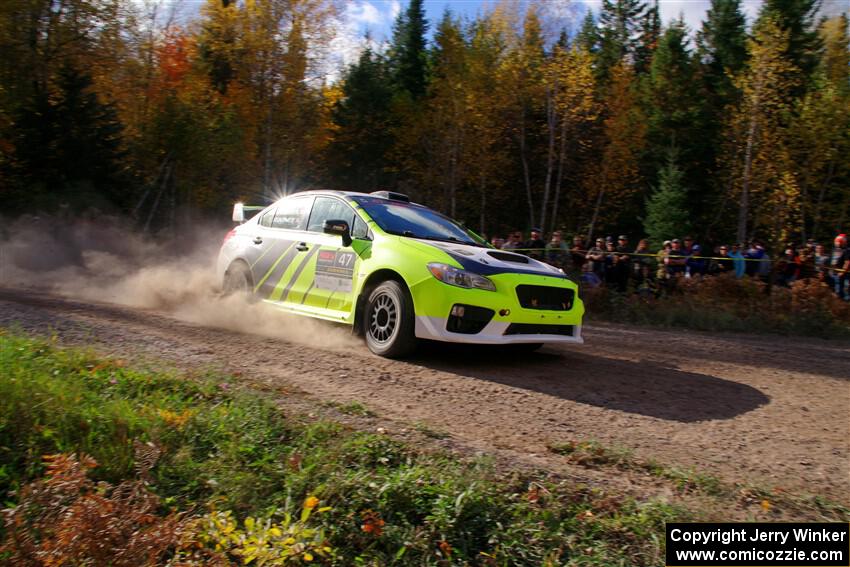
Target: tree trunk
x=818 y=206
x=595 y=214
x=552 y=124
x=562 y=157
x=482 y=215
x=162 y=188
x=744 y=205
x=525 y=170
x=134 y=214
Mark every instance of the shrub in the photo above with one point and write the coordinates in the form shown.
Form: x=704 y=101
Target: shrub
x=725 y=303
x=66 y=518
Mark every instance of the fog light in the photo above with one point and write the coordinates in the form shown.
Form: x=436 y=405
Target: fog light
x=458 y=311
x=504 y=312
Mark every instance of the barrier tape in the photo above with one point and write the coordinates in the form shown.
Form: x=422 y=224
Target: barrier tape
x=657 y=256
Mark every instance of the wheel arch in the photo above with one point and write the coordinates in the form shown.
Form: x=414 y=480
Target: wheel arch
x=372 y=281
x=239 y=262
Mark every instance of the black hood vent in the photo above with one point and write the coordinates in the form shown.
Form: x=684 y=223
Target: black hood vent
x=508 y=257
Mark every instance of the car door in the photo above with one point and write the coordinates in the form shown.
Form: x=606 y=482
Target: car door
x=259 y=243
x=281 y=240
x=328 y=288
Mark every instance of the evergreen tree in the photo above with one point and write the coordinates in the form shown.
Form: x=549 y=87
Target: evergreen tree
x=588 y=37
x=359 y=149
x=408 y=55
x=650 y=32
x=621 y=31
x=667 y=212
x=797 y=17
x=722 y=49
x=673 y=107
x=68 y=147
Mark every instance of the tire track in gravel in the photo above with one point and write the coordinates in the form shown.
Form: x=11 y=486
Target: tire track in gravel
x=746 y=408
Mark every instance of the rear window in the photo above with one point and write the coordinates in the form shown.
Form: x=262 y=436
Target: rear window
x=292 y=213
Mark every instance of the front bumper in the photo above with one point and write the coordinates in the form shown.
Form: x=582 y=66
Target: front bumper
x=433 y=301
x=434 y=328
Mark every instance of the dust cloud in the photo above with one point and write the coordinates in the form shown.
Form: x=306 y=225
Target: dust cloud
x=102 y=259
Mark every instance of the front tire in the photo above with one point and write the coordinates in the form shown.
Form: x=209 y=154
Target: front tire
x=388 y=321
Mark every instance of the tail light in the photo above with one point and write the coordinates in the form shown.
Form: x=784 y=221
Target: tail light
x=228 y=236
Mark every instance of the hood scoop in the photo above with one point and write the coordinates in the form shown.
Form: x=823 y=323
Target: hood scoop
x=508 y=257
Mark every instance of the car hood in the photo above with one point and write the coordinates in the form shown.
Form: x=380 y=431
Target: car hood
x=489 y=261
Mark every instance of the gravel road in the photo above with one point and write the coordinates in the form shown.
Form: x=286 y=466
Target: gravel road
x=767 y=410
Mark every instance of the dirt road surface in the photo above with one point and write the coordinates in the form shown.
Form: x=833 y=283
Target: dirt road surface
x=754 y=409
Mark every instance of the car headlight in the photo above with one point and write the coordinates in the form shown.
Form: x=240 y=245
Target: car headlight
x=460 y=278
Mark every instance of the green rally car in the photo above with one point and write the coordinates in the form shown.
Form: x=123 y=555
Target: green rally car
x=397 y=272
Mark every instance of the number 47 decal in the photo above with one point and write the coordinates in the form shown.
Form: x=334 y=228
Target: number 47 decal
x=345 y=260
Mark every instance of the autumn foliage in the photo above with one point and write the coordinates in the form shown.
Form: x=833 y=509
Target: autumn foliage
x=511 y=119
x=67 y=519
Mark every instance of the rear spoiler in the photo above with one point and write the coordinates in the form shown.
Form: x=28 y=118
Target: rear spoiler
x=239 y=211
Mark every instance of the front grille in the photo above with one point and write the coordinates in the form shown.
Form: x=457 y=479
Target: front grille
x=468 y=319
x=537 y=329
x=545 y=297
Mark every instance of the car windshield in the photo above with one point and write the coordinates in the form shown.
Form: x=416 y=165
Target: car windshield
x=415 y=221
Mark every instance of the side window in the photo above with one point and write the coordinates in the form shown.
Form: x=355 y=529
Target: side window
x=292 y=213
x=267 y=218
x=328 y=208
x=359 y=228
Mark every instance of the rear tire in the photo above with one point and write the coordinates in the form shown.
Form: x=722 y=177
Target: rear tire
x=238 y=281
x=388 y=320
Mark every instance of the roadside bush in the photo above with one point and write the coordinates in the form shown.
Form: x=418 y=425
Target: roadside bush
x=725 y=303
x=67 y=519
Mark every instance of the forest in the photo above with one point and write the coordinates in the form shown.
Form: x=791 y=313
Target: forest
x=616 y=124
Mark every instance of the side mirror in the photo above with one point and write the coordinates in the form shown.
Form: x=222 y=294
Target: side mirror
x=339 y=227
x=238 y=213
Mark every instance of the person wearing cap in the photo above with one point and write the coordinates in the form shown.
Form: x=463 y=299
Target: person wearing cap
x=536 y=245
x=557 y=251
x=755 y=256
x=787 y=267
x=676 y=260
x=610 y=263
x=840 y=265
x=596 y=258
x=622 y=262
x=695 y=263
x=578 y=255
x=723 y=263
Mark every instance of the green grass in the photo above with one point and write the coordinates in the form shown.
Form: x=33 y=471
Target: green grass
x=430 y=432
x=351 y=408
x=593 y=454
x=234 y=450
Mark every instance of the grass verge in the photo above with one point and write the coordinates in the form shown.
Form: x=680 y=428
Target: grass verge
x=592 y=454
x=247 y=475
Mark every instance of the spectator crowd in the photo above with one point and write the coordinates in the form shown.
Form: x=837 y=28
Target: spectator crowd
x=621 y=266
